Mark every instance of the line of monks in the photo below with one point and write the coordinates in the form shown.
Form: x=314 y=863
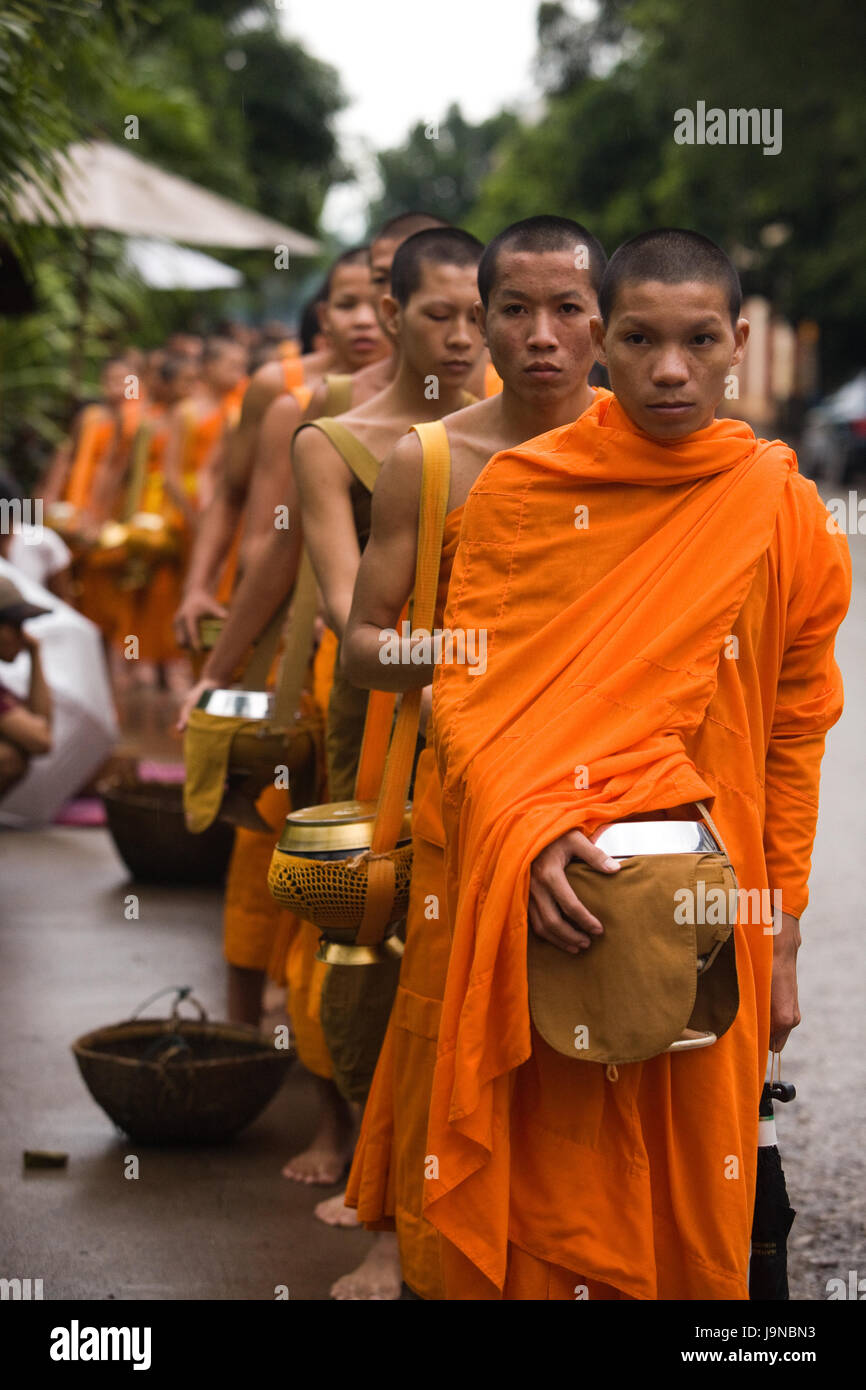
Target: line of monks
x=608 y=543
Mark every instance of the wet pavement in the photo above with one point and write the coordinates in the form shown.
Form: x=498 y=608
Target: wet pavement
x=198 y=1223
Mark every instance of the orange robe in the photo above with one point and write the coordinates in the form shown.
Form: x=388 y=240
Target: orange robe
x=606 y=632
x=151 y=608
x=386 y=1183
x=492 y=380
x=95 y=439
x=97 y=598
x=258 y=934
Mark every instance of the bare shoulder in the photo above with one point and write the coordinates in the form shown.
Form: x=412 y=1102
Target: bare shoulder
x=401 y=469
x=398 y=487
x=316 y=459
x=284 y=411
x=475 y=435
x=265 y=384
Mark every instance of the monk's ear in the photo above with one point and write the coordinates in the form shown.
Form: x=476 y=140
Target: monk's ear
x=596 y=336
x=322 y=314
x=481 y=320
x=741 y=338
x=391 y=316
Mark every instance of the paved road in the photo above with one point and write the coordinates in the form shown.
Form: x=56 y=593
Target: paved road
x=822 y=1132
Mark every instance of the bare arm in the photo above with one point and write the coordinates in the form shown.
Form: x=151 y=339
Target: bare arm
x=324 y=487
x=29 y=725
x=386 y=575
x=270 y=573
x=219 y=520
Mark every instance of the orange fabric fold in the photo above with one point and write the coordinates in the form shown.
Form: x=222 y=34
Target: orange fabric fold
x=609 y=571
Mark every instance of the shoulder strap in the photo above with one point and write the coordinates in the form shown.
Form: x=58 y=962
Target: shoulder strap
x=354 y=454
x=138 y=469
x=435 y=484
x=339 y=394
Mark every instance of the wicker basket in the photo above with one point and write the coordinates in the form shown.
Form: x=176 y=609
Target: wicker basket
x=177 y=1080
x=147 y=825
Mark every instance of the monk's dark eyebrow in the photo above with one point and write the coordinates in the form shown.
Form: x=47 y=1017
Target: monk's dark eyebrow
x=508 y=293
x=711 y=320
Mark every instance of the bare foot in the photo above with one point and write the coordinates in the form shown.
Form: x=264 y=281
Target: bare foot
x=334 y=1212
x=319 y=1165
x=378 y=1277
x=324 y=1162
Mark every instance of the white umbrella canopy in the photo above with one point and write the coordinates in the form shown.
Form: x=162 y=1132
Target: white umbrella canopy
x=104 y=186
x=163 y=265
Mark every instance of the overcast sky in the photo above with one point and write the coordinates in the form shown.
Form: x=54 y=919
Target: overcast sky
x=401 y=61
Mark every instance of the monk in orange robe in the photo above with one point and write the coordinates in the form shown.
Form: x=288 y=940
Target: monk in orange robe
x=241 y=509
x=431 y=315
x=198 y=424
x=534 y=311
x=99 y=444
x=612 y=563
x=153 y=599
x=269 y=557
x=257 y=933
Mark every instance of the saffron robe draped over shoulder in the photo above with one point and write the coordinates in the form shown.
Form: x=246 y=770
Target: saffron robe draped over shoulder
x=660 y=620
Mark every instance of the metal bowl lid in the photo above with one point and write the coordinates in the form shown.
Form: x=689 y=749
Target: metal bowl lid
x=148 y=521
x=627 y=837
x=339 y=825
x=113 y=534
x=237 y=704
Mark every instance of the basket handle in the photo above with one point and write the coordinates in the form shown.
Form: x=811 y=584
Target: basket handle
x=181 y=993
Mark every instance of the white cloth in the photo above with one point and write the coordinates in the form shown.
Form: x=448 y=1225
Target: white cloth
x=38 y=552
x=84 y=727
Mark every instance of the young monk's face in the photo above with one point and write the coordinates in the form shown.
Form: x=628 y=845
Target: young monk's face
x=537 y=323
x=349 y=318
x=225 y=371
x=113 y=382
x=668 y=349
x=437 y=330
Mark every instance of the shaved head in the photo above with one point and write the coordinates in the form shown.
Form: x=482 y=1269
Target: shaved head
x=356 y=255
x=537 y=235
x=439 y=246
x=670 y=256
x=406 y=224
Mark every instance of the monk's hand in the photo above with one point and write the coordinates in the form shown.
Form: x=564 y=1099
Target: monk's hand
x=198 y=603
x=556 y=913
x=191 y=699
x=784 y=1004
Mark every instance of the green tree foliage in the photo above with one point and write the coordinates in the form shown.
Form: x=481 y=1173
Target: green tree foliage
x=604 y=150
x=441 y=166
x=221 y=96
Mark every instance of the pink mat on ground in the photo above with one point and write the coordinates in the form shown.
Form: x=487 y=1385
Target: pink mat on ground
x=161 y=772
x=83 y=810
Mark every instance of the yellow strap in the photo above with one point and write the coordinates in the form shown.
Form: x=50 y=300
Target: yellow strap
x=338 y=397
x=435 y=483
x=377 y=736
x=138 y=470
x=258 y=666
x=299 y=641
x=354 y=454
